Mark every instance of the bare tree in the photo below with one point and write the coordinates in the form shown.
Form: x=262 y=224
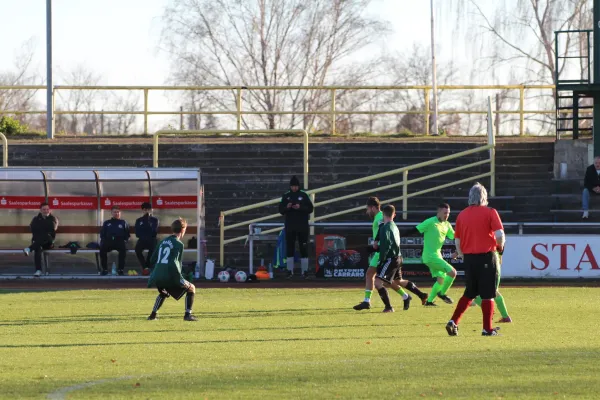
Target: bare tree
x=79 y=100
x=267 y=43
x=22 y=74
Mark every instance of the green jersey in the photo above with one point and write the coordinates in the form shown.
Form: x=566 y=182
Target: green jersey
x=167 y=263
x=378 y=220
x=434 y=233
x=389 y=241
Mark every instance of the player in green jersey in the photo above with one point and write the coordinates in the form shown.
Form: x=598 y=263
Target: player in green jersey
x=374 y=211
x=435 y=230
x=167 y=276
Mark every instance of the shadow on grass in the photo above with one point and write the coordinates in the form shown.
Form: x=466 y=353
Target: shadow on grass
x=188 y=342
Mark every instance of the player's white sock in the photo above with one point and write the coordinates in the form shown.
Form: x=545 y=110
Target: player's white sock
x=304 y=264
x=405 y=296
x=290 y=264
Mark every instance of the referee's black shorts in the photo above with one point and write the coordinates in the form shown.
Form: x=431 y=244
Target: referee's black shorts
x=481 y=274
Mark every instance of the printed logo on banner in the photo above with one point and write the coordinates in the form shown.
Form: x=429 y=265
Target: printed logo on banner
x=123 y=202
x=175 y=202
x=21 y=202
x=74 y=202
x=560 y=256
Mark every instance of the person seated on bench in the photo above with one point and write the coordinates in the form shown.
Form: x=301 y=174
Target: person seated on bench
x=113 y=236
x=43 y=231
x=591 y=185
x=146 y=229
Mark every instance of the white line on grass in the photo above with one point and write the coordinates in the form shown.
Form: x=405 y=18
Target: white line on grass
x=61 y=393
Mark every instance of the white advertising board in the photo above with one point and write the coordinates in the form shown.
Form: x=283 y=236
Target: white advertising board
x=551 y=256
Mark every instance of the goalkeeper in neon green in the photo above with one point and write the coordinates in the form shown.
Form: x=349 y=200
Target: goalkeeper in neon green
x=435 y=230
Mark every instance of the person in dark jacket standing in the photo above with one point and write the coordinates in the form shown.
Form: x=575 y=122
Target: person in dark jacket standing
x=43 y=231
x=113 y=236
x=296 y=207
x=146 y=230
x=591 y=185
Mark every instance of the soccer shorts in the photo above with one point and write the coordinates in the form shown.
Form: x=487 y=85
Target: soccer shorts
x=438 y=267
x=374 y=260
x=481 y=275
x=176 y=292
x=390 y=270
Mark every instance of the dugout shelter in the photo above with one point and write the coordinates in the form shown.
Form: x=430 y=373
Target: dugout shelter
x=82 y=198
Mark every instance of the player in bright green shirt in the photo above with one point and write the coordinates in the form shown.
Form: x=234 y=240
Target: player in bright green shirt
x=374 y=211
x=435 y=231
x=167 y=276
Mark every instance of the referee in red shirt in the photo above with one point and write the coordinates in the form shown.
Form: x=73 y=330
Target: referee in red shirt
x=479 y=237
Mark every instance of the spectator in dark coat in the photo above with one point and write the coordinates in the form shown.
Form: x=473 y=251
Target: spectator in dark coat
x=43 y=231
x=591 y=185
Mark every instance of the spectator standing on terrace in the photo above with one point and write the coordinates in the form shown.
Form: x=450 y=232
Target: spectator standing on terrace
x=113 y=236
x=146 y=230
x=43 y=231
x=591 y=185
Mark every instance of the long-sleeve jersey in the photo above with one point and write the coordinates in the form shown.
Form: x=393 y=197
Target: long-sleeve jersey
x=389 y=241
x=296 y=220
x=114 y=230
x=167 y=263
x=146 y=227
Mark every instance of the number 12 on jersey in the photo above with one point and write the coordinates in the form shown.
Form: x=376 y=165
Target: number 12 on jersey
x=163 y=254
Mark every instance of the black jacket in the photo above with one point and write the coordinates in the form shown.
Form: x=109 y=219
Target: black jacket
x=591 y=179
x=146 y=227
x=296 y=220
x=114 y=230
x=44 y=229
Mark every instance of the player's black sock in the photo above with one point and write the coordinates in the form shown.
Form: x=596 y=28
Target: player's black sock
x=159 y=302
x=189 y=302
x=383 y=293
x=413 y=288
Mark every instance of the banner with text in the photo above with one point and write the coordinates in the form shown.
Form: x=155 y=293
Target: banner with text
x=21 y=202
x=73 y=202
x=123 y=202
x=551 y=256
x=174 y=202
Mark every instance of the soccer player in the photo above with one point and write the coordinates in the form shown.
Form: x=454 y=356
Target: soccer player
x=166 y=275
x=374 y=211
x=435 y=230
x=479 y=238
x=389 y=269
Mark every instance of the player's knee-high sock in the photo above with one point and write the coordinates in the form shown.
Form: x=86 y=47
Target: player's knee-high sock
x=290 y=264
x=487 y=307
x=413 y=288
x=448 y=281
x=434 y=292
x=304 y=265
x=501 y=305
x=402 y=293
x=461 y=307
x=189 y=302
x=368 y=294
x=158 y=303
x=383 y=293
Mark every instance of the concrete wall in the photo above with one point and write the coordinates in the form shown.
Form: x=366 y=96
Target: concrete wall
x=577 y=154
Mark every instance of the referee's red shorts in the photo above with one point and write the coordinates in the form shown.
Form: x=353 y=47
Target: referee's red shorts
x=481 y=275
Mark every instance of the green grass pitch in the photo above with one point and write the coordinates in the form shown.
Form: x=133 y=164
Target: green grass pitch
x=294 y=344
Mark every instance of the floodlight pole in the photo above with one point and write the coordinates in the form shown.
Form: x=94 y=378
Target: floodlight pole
x=434 y=75
x=49 y=94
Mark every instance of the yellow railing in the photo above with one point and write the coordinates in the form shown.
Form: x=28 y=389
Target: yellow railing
x=330 y=109
x=4 y=150
x=491 y=160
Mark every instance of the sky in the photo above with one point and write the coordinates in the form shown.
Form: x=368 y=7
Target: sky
x=119 y=39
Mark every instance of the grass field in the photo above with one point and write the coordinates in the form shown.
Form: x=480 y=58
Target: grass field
x=282 y=344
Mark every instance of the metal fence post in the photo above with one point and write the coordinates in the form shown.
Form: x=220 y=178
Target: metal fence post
x=427 y=115
x=222 y=241
x=333 y=130
x=521 y=110
x=239 y=108
x=145 y=111
x=404 y=195
x=4 y=150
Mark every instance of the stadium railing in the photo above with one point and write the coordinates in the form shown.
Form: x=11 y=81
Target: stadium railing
x=329 y=106
x=405 y=182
